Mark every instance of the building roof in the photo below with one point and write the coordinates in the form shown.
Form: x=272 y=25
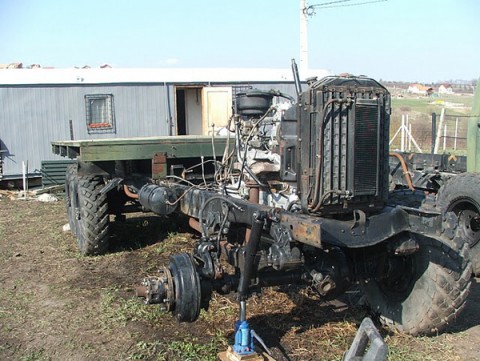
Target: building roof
x=419 y=87
x=73 y=76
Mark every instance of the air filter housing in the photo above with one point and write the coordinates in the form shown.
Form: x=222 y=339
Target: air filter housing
x=254 y=102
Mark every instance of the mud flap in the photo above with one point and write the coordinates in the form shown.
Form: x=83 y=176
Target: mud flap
x=368 y=344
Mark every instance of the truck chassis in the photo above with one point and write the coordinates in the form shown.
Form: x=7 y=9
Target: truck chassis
x=301 y=197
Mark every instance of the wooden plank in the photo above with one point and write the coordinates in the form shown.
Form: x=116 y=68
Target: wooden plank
x=50 y=189
x=137 y=140
x=139 y=148
x=129 y=151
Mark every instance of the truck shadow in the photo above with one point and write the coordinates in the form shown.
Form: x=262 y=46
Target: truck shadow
x=142 y=230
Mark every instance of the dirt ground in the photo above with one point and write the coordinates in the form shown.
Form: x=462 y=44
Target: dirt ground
x=55 y=305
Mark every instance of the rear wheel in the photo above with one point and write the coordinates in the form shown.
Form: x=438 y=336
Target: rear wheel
x=461 y=195
x=423 y=291
x=93 y=229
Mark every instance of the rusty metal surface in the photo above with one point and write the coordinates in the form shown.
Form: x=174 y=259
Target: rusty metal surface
x=192 y=222
x=315 y=230
x=140 y=291
x=306 y=230
x=159 y=165
x=253 y=197
x=128 y=193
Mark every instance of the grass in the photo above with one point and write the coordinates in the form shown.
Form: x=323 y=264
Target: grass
x=35 y=356
x=175 y=242
x=408 y=348
x=221 y=308
x=118 y=310
x=424 y=104
x=182 y=350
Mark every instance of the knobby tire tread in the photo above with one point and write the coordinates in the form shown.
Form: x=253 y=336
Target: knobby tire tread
x=94 y=230
x=448 y=274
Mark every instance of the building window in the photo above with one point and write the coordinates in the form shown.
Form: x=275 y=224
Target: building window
x=100 y=113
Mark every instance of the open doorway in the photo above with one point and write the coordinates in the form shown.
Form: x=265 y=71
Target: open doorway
x=189 y=110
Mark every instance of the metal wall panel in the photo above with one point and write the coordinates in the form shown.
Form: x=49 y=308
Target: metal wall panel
x=53 y=171
x=32 y=116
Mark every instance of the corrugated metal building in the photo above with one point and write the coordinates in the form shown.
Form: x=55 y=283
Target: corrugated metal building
x=42 y=105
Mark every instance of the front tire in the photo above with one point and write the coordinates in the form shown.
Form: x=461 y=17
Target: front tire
x=93 y=229
x=426 y=292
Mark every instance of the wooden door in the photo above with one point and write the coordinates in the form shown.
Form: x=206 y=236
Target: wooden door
x=216 y=108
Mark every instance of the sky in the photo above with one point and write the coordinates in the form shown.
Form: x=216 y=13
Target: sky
x=403 y=40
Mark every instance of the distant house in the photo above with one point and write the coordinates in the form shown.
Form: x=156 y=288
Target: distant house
x=11 y=66
x=419 y=89
x=445 y=89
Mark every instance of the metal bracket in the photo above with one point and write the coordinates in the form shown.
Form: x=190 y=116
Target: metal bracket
x=359 y=225
x=111 y=185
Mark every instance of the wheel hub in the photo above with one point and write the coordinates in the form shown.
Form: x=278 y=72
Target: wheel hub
x=399 y=278
x=177 y=288
x=469 y=221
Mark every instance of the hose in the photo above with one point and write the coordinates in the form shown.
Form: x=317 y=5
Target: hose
x=244 y=159
x=129 y=193
x=406 y=173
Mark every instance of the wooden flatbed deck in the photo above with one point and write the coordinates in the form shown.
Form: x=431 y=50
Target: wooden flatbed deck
x=184 y=146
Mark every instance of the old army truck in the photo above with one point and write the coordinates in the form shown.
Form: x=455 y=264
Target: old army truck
x=297 y=192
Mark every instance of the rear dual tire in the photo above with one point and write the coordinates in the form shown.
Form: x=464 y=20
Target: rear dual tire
x=87 y=210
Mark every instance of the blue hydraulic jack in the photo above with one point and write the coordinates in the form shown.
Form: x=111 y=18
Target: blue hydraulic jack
x=243 y=339
x=244 y=349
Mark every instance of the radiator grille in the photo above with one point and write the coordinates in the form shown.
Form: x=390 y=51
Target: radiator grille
x=343 y=146
x=366 y=150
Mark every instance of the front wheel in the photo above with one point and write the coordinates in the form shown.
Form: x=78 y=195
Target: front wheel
x=423 y=291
